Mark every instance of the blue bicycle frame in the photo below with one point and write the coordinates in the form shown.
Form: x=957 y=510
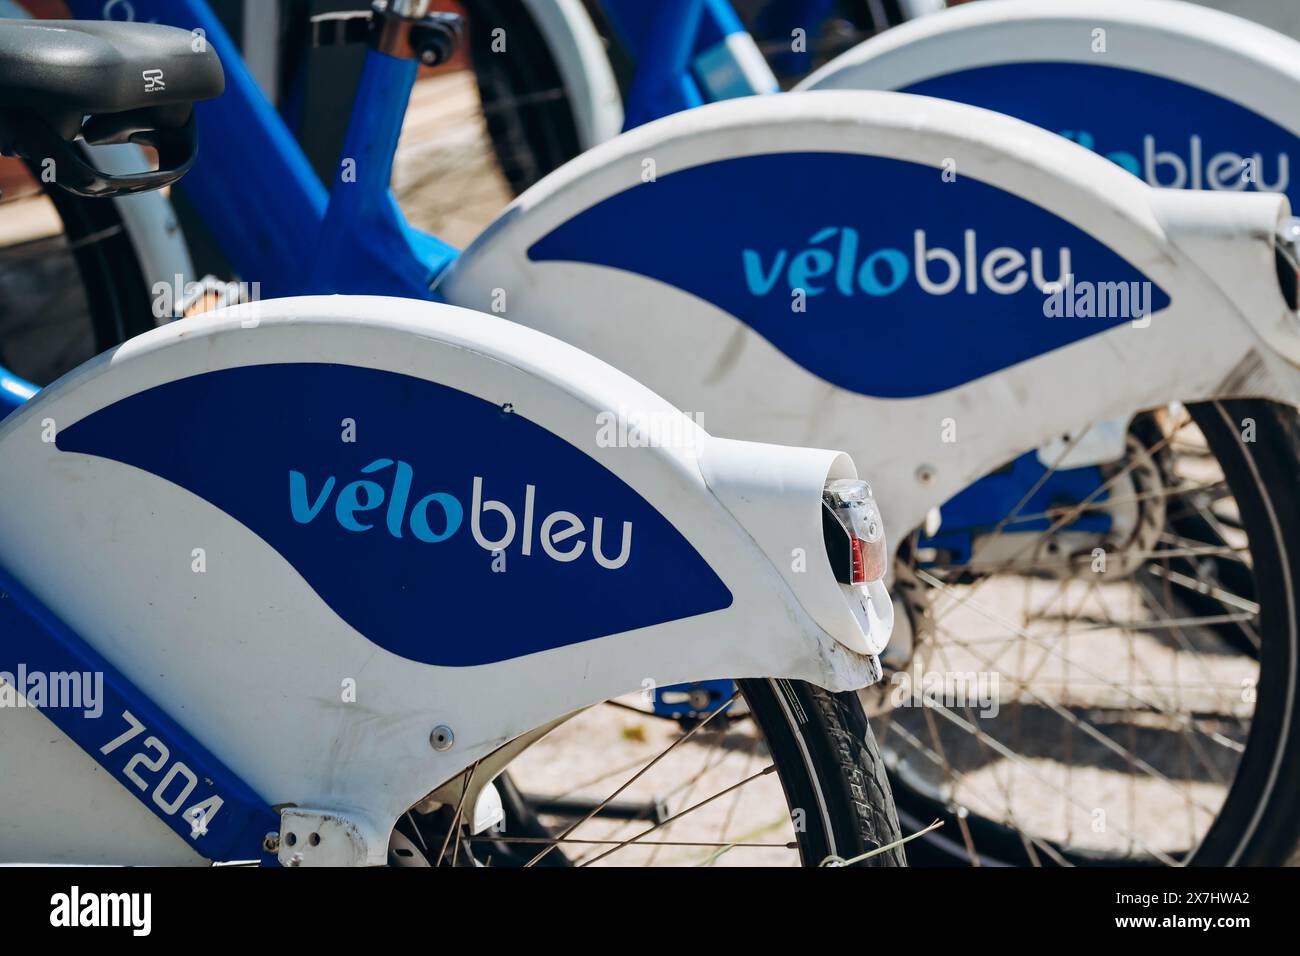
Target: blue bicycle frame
x=687 y=53
x=282 y=224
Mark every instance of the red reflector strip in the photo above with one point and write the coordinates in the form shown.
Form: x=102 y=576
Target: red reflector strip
x=858 y=575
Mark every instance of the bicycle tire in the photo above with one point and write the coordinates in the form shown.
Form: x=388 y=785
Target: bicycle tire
x=831 y=767
x=528 y=113
x=1258 y=823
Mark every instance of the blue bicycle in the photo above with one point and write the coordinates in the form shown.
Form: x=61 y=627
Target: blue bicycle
x=357 y=672
x=758 y=282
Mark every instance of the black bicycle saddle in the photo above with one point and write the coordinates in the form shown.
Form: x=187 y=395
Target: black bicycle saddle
x=86 y=67
x=104 y=82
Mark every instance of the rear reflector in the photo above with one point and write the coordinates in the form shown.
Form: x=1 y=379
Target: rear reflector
x=854 y=532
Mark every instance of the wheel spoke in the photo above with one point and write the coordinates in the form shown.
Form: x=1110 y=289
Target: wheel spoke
x=642 y=772
x=1139 y=665
x=770 y=768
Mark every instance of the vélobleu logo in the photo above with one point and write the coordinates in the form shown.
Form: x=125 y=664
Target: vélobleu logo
x=397 y=545
x=1193 y=167
x=1167 y=132
x=437 y=516
x=834 y=262
x=884 y=251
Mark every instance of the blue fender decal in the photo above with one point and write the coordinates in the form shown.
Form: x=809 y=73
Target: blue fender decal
x=1166 y=132
x=443 y=528
x=204 y=802
x=883 y=277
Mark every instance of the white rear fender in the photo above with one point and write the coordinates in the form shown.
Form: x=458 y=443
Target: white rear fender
x=314 y=529
x=1185 y=41
x=945 y=362
x=1180 y=95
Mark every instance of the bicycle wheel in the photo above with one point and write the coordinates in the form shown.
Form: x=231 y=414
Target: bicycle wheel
x=70 y=283
x=528 y=113
x=1143 y=705
x=787 y=774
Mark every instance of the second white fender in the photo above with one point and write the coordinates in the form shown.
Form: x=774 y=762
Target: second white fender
x=899 y=276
